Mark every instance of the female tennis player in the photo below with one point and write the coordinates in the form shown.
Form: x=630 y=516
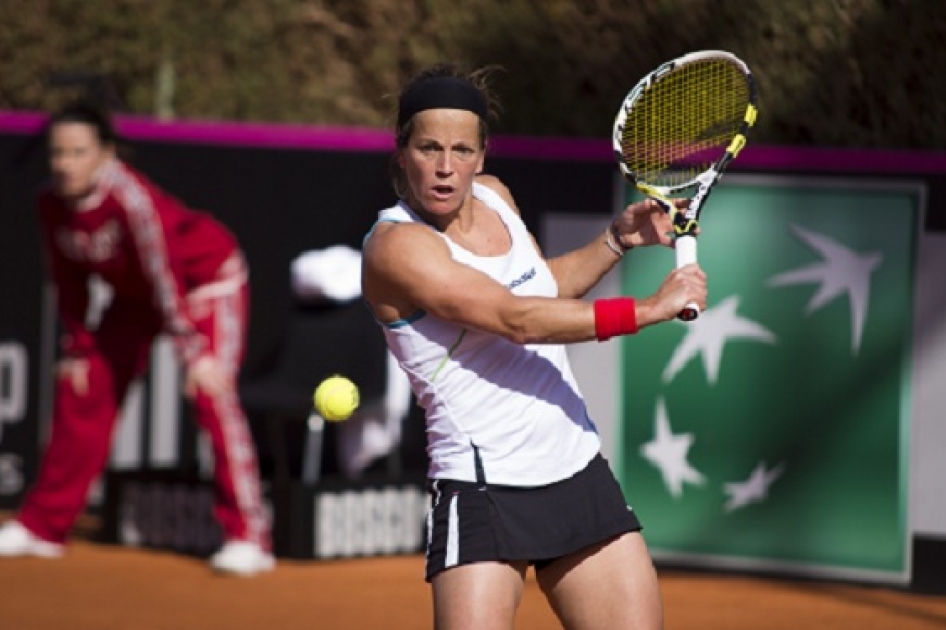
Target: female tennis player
x=478 y=319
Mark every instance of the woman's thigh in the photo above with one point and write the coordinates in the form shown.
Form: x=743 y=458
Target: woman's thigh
x=478 y=596
x=609 y=586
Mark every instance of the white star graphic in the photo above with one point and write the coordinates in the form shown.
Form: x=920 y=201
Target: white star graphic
x=754 y=490
x=668 y=453
x=708 y=335
x=842 y=270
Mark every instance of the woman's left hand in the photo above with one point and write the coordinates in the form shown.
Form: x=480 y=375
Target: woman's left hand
x=646 y=223
x=206 y=375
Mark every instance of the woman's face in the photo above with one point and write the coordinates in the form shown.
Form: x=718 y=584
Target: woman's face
x=75 y=156
x=441 y=159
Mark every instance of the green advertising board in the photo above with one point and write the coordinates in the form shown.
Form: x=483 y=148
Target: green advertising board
x=773 y=432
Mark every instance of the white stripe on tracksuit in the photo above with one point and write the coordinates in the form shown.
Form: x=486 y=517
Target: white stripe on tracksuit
x=238 y=443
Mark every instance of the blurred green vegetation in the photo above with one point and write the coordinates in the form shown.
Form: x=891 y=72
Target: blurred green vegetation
x=849 y=73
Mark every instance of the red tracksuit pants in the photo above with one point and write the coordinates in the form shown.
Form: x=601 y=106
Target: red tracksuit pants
x=83 y=425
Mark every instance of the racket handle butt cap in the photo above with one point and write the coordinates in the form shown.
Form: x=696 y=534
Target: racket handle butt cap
x=689 y=313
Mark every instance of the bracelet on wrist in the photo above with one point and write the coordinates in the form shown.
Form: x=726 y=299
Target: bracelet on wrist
x=614 y=241
x=614 y=247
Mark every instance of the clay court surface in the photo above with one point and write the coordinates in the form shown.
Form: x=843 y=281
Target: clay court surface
x=105 y=587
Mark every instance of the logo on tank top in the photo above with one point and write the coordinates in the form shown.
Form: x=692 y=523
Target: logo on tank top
x=529 y=275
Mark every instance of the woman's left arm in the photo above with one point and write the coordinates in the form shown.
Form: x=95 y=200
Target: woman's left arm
x=641 y=224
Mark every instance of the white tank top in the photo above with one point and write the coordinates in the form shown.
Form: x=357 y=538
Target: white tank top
x=519 y=405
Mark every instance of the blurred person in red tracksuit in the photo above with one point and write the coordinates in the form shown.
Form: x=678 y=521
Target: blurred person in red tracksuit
x=172 y=270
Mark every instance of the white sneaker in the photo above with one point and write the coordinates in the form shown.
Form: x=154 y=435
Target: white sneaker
x=16 y=540
x=243 y=558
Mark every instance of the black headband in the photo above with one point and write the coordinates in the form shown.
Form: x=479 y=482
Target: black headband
x=441 y=93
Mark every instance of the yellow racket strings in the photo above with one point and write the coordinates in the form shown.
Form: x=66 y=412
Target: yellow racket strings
x=682 y=124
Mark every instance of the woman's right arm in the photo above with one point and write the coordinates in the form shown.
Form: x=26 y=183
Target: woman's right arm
x=72 y=295
x=407 y=267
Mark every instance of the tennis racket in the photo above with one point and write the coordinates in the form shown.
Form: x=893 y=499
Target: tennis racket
x=677 y=131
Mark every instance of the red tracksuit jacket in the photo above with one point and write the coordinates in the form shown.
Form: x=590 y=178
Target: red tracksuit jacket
x=140 y=240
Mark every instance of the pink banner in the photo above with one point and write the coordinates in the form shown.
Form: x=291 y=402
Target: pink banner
x=363 y=139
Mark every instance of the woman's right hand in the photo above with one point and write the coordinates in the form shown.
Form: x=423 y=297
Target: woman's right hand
x=77 y=372
x=682 y=286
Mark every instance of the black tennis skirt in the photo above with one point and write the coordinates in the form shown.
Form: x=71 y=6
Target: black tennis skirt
x=474 y=522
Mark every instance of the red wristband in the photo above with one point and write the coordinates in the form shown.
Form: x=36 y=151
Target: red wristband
x=615 y=316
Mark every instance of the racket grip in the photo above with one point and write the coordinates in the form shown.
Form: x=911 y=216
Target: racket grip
x=685 y=250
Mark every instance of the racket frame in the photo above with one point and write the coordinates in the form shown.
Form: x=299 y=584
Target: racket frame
x=685 y=221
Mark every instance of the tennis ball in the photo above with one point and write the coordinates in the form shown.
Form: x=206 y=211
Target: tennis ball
x=336 y=398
